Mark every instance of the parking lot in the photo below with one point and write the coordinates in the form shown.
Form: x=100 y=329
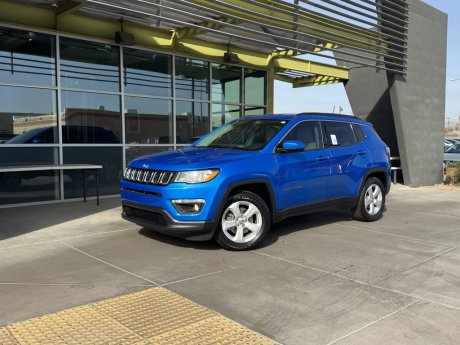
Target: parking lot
x=318 y=279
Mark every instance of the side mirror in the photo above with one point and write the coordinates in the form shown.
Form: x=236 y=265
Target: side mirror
x=291 y=146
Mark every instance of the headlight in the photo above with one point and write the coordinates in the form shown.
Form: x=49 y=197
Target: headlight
x=196 y=176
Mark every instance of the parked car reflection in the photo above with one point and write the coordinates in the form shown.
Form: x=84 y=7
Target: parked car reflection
x=70 y=135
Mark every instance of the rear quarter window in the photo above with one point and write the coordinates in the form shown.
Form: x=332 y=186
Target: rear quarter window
x=359 y=133
x=339 y=133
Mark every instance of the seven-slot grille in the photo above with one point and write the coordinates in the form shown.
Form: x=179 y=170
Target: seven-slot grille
x=148 y=176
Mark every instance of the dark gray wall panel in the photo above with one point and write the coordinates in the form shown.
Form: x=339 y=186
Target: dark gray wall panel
x=418 y=100
x=408 y=112
x=368 y=93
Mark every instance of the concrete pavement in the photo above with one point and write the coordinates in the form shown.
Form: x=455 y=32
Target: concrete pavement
x=319 y=279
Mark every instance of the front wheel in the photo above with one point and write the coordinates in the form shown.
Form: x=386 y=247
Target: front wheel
x=244 y=222
x=371 y=201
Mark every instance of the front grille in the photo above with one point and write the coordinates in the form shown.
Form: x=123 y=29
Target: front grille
x=148 y=176
x=154 y=217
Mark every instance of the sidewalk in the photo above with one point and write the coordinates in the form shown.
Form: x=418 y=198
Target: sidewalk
x=319 y=279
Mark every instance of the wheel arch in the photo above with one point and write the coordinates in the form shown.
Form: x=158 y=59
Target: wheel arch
x=379 y=173
x=261 y=187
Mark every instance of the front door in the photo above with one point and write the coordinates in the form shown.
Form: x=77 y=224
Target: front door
x=304 y=177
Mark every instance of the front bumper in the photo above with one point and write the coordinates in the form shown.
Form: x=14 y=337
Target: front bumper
x=159 y=220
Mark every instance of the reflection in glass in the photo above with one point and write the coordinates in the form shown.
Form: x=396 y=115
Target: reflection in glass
x=109 y=176
x=27 y=57
x=255 y=82
x=192 y=78
x=147 y=73
x=27 y=115
x=89 y=65
x=148 y=121
x=133 y=152
x=250 y=111
x=18 y=187
x=90 y=118
x=226 y=82
x=222 y=113
x=192 y=121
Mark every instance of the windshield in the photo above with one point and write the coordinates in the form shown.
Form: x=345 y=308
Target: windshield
x=251 y=135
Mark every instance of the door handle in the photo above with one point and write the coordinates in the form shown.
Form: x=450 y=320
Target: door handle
x=322 y=158
x=362 y=153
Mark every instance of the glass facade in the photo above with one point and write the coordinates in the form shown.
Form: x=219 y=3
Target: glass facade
x=68 y=100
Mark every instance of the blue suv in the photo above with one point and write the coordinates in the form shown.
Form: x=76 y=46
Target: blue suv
x=235 y=182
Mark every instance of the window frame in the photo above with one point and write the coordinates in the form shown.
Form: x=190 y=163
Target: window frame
x=328 y=142
x=324 y=146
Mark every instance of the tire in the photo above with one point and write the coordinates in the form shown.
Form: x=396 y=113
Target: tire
x=371 y=201
x=239 y=230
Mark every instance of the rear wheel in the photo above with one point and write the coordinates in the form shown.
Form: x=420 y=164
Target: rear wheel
x=244 y=222
x=371 y=201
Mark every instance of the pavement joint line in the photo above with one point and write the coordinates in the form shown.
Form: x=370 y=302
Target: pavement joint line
x=430 y=213
x=374 y=322
x=298 y=264
x=395 y=235
x=337 y=275
x=414 y=265
x=76 y=284
x=207 y=274
x=424 y=299
x=108 y=263
x=68 y=238
x=323 y=265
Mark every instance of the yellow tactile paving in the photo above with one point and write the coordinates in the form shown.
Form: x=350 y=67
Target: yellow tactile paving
x=154 y=311
x=215 y=330
x=6 y=337
x=83 y=325
x=153 y=316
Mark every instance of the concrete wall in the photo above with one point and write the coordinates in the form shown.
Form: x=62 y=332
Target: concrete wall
x=408 y=112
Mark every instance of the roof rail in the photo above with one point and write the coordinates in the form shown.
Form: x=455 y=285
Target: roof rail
x=329 y=114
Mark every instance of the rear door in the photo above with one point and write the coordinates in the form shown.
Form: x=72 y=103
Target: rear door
x=350 y=158
x=304 y=177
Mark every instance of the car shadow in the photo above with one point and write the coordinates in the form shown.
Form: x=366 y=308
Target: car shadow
x=305 y=222
x=179 y=242
x=277 y=231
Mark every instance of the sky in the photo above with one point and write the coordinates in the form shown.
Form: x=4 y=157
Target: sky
x=330 y=98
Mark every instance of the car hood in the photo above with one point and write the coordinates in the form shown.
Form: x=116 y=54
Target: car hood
x=190 y=158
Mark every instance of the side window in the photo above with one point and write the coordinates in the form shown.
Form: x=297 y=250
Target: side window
x=359 y=133
x=309 y=132
x=339 y=133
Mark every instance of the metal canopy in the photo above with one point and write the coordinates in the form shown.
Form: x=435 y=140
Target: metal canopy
x=375 y=30
x=371 y=32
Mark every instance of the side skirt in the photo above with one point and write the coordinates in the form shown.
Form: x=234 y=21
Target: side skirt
x=348 y=202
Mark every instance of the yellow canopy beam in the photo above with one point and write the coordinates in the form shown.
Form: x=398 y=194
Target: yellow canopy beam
x=67 y=7
x=192 y=31
x=312 y=67
x=315 y=81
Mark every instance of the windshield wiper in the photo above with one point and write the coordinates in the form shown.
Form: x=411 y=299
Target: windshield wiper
x=218 y=146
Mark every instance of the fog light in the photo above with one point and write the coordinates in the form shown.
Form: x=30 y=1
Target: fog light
x=188 y=205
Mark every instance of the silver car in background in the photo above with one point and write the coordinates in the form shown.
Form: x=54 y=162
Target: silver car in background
x=452 y=153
